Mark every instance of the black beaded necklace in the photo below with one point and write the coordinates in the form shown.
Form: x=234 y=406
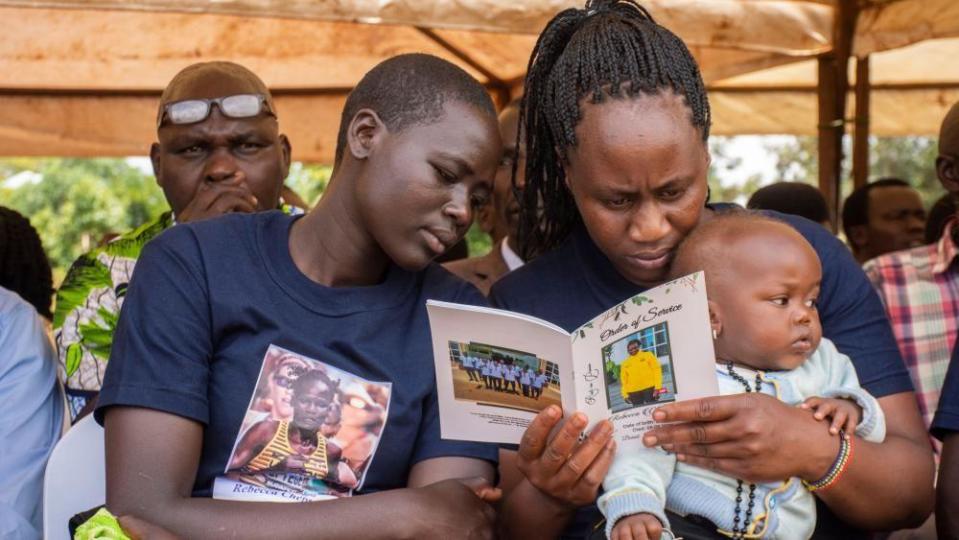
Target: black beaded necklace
x=738 y=533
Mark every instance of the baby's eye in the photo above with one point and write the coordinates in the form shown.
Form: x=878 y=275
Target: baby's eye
x=780 y=301
x=812 y=303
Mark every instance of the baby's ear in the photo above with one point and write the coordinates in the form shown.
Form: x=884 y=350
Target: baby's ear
x=715 y=318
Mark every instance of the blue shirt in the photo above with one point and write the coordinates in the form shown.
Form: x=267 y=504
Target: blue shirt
x=947 y=415
x=209 y=299
x=31 y=418
x=575 y=282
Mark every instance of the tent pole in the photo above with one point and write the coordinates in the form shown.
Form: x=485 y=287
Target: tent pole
x=833 y=87
x=860 y=145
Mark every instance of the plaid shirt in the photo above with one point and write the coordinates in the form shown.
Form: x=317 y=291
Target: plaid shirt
x=920 y=289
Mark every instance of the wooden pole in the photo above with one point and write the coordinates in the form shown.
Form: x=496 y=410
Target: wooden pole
x=833 y=87
x=860 y=144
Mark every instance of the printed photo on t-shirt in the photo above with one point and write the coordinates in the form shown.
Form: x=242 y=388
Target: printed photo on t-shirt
x=310 y=432
x=492 y=375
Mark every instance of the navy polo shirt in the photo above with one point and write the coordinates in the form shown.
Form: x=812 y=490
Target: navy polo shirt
x=209 y=299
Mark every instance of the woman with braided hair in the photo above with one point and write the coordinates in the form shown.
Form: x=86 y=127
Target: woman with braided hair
x=616 y=122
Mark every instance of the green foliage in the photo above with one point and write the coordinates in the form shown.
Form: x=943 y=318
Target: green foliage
x=309 y=181
x=74 y=203
x=478 y=241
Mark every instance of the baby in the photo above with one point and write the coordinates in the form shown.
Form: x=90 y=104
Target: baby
x=762 y=281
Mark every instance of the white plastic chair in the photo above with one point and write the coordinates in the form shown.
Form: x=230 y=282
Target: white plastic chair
x=75 y=479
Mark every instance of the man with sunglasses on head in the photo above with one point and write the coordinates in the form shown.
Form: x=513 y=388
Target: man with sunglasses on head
x=218 y=150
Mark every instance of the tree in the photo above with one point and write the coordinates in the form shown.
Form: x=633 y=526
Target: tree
x=74 y=203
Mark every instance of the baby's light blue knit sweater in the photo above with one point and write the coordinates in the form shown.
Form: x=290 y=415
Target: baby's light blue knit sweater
x=650 y=479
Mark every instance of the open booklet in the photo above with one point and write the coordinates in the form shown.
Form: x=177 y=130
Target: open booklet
x=496 y=369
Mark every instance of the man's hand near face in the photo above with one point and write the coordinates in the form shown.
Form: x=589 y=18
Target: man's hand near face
x=214 y=199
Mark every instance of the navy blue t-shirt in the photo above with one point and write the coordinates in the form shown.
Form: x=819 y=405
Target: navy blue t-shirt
x=213 y=304
x=947 y=414
x=576 y=281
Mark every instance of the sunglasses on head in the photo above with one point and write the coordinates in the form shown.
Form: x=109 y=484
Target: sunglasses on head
x=191 y=111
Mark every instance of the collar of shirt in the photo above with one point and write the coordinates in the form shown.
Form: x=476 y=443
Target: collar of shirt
x=512 y=260
x=946 y=249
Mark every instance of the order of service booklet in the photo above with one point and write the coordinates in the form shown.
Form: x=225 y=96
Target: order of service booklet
x=496 y=369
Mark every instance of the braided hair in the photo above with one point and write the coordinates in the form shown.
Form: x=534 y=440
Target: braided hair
x=24 y=268
x=611 y=48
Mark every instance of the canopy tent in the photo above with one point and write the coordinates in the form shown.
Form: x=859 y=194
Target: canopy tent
x=81 y=77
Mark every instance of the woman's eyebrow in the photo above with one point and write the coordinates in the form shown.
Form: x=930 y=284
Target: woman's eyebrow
x=458 y=162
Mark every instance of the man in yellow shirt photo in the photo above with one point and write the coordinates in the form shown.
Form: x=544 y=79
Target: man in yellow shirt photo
x=640 y=375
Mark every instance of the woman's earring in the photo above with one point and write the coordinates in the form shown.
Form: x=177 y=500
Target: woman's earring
x=715 y=334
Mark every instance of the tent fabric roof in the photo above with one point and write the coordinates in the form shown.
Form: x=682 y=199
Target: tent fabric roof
x=65 y=63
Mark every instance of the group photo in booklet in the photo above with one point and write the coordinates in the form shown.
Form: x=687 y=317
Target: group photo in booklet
x=497 y=376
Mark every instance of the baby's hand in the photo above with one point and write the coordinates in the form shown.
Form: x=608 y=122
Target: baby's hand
x=637 y=527
x=845 y=414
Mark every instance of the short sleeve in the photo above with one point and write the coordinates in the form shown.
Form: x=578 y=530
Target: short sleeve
x=429 y=444
x=163 y=342
x=947 y=415
x=853 y=316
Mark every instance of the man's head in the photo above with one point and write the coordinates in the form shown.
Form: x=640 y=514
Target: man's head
x=795 y=198
x=416 y=152
x=762 y=282
x=218 y=146
x=883 y=216
x=947 y=164
x=500 y=216
x=632 y=347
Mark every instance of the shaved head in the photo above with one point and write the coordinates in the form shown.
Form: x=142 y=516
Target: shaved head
x=208 y=80
x=949 y=132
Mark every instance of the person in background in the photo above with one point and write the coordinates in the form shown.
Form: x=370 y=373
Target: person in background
x=796 y=198
x=218 y=151
x=945 y=427
x=31 y=418
x=941 y=213
x=920 y=287
x=500 y=216
x=883 y=216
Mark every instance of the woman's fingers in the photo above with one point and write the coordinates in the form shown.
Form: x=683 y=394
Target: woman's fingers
x=583 y=457
x=560 y=448
x=709 y=409
x=537 y=433
x=723 y=450
x=691 y=433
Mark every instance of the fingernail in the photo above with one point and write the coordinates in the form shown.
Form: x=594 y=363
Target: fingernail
x=552 y=411
x=650 y=440
x=659 y=415
x=681 y=457
x=668 y=447
x=611 y=445
x=579 y=420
